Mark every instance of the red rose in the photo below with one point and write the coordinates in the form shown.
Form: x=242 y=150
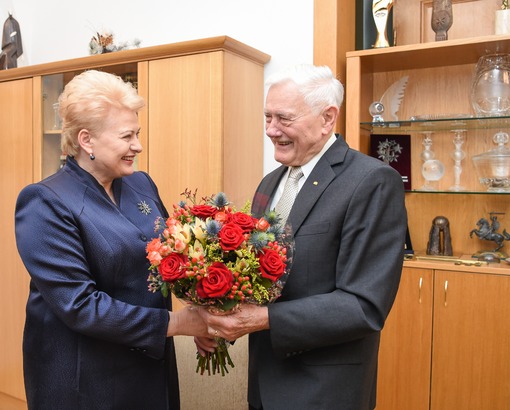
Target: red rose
x=216 y=283
x=172 y=266
x=231 y=236
x=203 y=211
x=245 y=221
x=271 y=265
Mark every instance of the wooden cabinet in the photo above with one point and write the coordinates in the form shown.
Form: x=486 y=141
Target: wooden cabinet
x=406 y=345
x=15 y=173
x=440 y=76
x=445 y=343
x=201 y=129
x=213 y=142
x=471 y=339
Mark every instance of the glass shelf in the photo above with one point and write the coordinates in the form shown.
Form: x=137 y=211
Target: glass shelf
x=470 y=192
x=436 y=123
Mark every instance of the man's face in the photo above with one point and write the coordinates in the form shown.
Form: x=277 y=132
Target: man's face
x=296 y=132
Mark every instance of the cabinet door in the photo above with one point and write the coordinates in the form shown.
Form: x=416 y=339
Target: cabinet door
x=185 y=124
x=471 y=343
x=405 y=351
x=15 y=173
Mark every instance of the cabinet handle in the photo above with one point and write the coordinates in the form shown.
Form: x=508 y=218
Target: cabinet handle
x=445 y=292
x=419 y=289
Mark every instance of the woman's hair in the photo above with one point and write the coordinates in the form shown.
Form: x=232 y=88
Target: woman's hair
x=317 y=85
x=86 y=102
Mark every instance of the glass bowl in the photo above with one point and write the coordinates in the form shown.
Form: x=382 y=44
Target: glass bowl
x=493 y=167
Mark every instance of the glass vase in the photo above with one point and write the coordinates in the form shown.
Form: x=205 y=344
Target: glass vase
x=490 y=91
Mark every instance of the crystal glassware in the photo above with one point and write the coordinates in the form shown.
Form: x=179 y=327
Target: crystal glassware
x=458 y=156
x=56 y=121
x=432 y=169
x=493 y=166
x=490 y=90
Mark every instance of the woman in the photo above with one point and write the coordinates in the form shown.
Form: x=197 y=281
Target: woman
x=95 y=337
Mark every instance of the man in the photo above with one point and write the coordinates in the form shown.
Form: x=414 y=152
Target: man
x=317 y=346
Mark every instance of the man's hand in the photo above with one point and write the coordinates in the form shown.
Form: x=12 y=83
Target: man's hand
x=246 y=318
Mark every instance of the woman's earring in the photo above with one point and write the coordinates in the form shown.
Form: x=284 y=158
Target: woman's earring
x=92 y=157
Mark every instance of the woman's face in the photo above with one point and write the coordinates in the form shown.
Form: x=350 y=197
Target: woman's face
x=115 y=147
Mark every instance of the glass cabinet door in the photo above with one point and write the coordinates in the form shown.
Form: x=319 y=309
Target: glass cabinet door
x=52 y=86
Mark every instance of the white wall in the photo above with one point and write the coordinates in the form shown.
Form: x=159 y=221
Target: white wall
x=54 y=30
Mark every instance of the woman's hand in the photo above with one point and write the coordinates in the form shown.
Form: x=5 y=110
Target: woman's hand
x=205 y=345
x=187 y=322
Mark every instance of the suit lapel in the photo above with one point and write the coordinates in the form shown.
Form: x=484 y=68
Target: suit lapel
x=265 y=191
x=320 y=178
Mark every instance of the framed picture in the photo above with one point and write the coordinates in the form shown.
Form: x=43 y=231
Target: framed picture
x=395 y=150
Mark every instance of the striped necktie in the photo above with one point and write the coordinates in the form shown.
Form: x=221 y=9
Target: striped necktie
x=290 y=191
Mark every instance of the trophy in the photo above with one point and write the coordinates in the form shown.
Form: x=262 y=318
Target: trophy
x=380 y=11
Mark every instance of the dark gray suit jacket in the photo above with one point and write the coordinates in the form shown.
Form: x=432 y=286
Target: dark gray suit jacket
x=349 y=222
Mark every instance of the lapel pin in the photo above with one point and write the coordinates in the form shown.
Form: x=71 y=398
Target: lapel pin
x=144 y=208
x=315 y=183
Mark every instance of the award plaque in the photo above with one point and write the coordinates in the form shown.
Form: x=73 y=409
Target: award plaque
x=395 y=150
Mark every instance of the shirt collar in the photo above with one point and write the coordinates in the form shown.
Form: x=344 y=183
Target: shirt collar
x=310 y=165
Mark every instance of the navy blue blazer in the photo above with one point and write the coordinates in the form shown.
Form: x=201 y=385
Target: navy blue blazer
x=95 y=337
x=349 y=223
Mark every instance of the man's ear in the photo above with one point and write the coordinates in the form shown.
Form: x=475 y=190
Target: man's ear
x=85 y=141
x=329 y=116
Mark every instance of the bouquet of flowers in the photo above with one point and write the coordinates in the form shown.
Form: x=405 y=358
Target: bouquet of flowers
x=103 y=43
x=209 y=254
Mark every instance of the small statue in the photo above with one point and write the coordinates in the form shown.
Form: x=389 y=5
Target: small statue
x=12 y=47
x=442 y=18
x=380 y=11
x=488 y=232
x=440 y=241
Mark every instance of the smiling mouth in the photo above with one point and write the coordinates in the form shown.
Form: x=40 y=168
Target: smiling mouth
x=284 y=143
x=130 y=158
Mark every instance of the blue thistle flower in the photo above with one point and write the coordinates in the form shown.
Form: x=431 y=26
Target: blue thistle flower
x=259 y=240
x=212 y=227
x=220 y=200
x=276 y=231
x=273 y=218
x=181 y=204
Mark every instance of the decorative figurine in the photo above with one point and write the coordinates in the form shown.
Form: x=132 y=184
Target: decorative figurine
x=388 y=105
x=488 y=232
x=376 y=110
x=381 y=10
x=442 y=18
x=440 y=241
x=12 y=48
